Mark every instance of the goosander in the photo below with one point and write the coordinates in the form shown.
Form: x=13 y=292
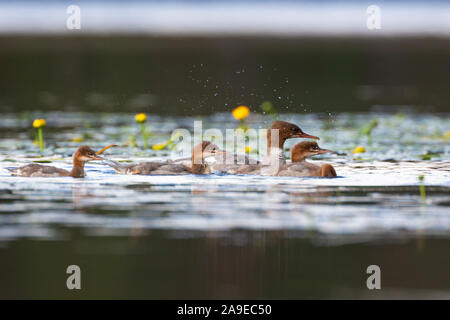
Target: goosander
x=301 y=168
x=80 y=157
x=286 y=130
x=231 y=163
x=197 y=164
x=277 y=134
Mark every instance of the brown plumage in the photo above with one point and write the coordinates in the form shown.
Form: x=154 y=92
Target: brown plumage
x=286 y=130
x=299 y=167
x=277 y=134
x=275 y=159
x=80 y=157
x=197 y=164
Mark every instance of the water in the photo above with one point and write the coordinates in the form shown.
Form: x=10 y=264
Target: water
x=224 y=236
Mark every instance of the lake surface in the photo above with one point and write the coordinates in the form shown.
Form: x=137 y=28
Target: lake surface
x=223 y=236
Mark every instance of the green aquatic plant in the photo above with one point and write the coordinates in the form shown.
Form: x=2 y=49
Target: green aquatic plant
x=87 y=136
x=367 y=129
x=88 y=124
x=363 y=159
x=132 y=141
x=168 y=144
x=268 y=108
x=141 y=118
x=39 y=124
x=422 y=188
x=429 y=155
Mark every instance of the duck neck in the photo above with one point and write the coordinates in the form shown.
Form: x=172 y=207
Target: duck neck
x=196 y=167
x=298 y=158
x=77 y=169
x=274 y=141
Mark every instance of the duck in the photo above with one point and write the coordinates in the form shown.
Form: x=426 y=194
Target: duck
x=231 y=163
x=299 y=167
x=197 y=164
x=277 y=134
x=80 y=157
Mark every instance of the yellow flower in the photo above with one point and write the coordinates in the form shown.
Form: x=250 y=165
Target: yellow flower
x=159 y=146
x=39 y=123
x=248 y=149
x=447 y=134
x=77 y=139
x=359 y=150
x=241 y=112
x=141 y=117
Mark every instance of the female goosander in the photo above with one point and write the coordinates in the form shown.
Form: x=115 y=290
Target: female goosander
x=80 y=157
x=301 y=168
x=277 y=134
x=197 y=164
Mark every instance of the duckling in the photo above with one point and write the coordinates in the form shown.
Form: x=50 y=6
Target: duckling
x=301 y=168
x=80 y=157
x=196 y=166
x=277 y=134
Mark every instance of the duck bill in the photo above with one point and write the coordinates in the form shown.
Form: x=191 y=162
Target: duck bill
x=307 y=136
x=104 y=149
x=324 y=151
x=96 y=158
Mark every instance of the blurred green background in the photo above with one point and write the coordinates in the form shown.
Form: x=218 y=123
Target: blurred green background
x=203 y=75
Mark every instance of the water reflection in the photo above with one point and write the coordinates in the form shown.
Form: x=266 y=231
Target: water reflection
x=219 y=264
